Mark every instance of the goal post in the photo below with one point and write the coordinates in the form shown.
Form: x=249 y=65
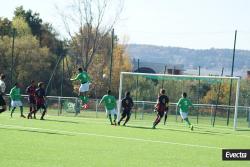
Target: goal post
x=158 y=77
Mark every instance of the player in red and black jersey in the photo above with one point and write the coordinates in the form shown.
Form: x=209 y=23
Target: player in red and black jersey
x=31 y=91
x=161 y=107
x=127 y=104
x=40 y=100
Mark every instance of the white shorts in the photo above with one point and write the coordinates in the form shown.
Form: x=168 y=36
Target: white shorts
x=84 y=87
x=16 y=103
x=184 y=115
x=112 y=112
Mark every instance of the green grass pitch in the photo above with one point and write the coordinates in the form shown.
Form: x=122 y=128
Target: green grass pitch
x=62 y=141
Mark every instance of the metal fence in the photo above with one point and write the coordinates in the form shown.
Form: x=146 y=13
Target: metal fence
x=144 y=110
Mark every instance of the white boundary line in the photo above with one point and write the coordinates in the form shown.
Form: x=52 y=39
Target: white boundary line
x=110 y=136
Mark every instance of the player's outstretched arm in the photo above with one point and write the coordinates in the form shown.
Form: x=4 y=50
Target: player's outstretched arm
x=11 y=93
x=76 y=78
x=101 y=101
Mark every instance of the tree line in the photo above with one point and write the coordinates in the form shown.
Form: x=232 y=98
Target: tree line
x=31 y=49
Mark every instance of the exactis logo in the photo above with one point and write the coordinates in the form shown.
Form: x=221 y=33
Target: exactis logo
x=237 y=155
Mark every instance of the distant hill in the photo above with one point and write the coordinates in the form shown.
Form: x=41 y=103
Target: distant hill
x=212 y=59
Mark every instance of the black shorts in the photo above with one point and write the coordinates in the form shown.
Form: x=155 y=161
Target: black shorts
x=160 y=113
x=126 y=113
x=43 y=106
x=32 y=100
x=2 y=101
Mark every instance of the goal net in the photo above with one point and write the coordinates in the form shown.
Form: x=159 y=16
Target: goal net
x=209 y=94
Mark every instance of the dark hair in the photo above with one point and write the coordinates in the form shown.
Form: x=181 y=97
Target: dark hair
x=16 y=83
x=127 y=93
x=2 y=76
x=40 y=84
x=109 y=92
x=184 y=94
x=162 y=91
x=32 y=81
x=80 y=69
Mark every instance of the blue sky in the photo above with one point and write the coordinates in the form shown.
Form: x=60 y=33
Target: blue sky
x=198 y=24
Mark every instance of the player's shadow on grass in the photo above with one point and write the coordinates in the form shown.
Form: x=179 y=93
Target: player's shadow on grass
x=180 y=130
x=36 y=131
x=243 y=129
x=205 y=132
x=61 y=121
x=138 y=127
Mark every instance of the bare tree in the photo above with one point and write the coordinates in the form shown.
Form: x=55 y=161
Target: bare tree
x=92 y=22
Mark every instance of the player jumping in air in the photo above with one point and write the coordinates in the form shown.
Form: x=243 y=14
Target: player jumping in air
x=40 y=100
x=184 y=104
x=2 y=90
x=127 y=104
x=31 y=91
x=15 y=96
x=84 y=78
x=160 y=107
x=110 y=106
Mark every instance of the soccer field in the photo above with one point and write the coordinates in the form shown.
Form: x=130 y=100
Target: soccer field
x=78 y=141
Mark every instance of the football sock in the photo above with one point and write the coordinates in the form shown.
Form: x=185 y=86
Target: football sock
x=127 y=119
x=115 y=117
x=43 y=114
x=84 y=99
x=121 y=119
x=12 y=111
x=21 y=110
x=165 y=118
x=187 y=121
x=110 y=119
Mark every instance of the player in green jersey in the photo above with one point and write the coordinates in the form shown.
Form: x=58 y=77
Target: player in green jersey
x=110 y=106
x=15 y=96
x=184 y=105
x=84 y=78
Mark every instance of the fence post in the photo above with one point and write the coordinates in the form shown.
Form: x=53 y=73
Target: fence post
x=143 y=106
x=211 y=115
x=248 y=118
x=176 y=113
x=96 y=108
x=76 y=104
x=59 y=105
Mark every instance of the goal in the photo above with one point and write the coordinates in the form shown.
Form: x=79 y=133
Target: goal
x=209 y=94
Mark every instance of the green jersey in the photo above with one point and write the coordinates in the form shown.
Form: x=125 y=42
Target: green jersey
x=109 y=101
x=15 y=94
x=83 y=77
x=184 y=104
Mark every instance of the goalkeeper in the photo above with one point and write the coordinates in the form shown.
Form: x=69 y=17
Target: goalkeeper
x=161 y=107
x=184 y=104
x=84 y=78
